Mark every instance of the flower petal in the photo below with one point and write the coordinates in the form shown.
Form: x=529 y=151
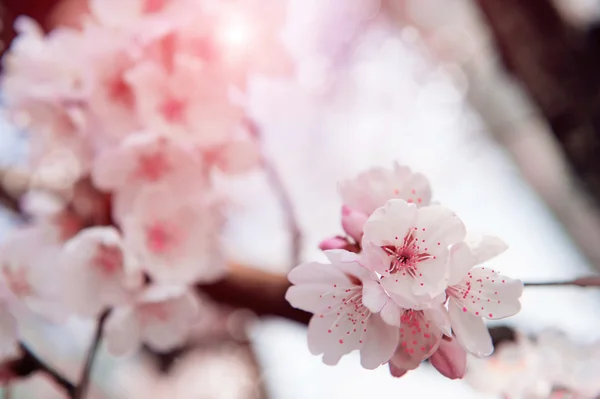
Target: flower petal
x=380 y=343
x=470 y=331
x=461 y=262
x=492 y=295
x=122 y=332
x=450 y=359
x=373 y=296
x=485 y=247
x=328 y=335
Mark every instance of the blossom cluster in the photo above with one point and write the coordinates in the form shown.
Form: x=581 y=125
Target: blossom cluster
x=405 y=284
x=549 y=365
x=142 y=102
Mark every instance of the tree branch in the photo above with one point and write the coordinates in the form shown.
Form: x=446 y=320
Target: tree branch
x=277 y=185
x=84 y=382
x=558 y=66
x=29 y=364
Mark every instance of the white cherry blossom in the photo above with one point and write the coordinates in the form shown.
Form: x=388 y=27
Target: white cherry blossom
x=161 y=317
x=408 y=247
x=175 y=235
x=342 y=295
x=476 y=292
x=373 y=188
x=97 y=271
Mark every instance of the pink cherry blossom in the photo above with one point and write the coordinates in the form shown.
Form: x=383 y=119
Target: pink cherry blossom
x=97 y=272
x=175 y=235
x=477 y=293
x=344 y=298
x=373 y=188
x=145 y=159
x=161 y=317
x=421 y=331
x=31 y=276
x=190 y=102
x=408 y=247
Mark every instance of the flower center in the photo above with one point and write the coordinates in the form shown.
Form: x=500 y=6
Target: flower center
x=405 y=257
x=108 y=259
x=152 y=167
x=173 y=110
x=159 y=238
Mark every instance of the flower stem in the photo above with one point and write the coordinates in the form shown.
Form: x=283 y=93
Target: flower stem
x=283 y=196
x=84 y=381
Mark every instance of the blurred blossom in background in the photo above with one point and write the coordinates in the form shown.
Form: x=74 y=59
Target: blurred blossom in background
x=336 y=87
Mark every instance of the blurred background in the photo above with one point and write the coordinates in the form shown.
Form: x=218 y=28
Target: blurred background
x=498 y=103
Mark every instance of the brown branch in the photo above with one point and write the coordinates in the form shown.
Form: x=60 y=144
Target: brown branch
x=29 y=364
x=558 y=66
x=84 y=382
x=278 y=186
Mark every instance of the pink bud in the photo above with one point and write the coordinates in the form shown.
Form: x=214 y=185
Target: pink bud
x=353 y=222
x=450 y=359
x=333 y=243
x=396 y=371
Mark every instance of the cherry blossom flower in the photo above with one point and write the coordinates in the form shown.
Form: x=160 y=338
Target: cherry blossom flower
x=450 y=359
x=161 y=317
x=190 y=102
x=373 y=188
x=515 y=370
x=97 y=272
x=175 y=235
x=341 y=295
x=145 y=159
x=476 y=292
x=31 y=276
x=421 y=330
x=408 y=247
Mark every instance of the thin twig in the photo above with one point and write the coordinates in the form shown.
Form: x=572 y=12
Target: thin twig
x=589 y=281
x=84 y=381
x=283 y=196
x=29 y=363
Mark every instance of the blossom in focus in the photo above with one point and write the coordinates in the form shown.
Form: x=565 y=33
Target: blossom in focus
x=97 y=271
x=161 y=317
x=175 y=235
x=409 y=247
x=342 y=295
x=421 y=331
x=476 y=292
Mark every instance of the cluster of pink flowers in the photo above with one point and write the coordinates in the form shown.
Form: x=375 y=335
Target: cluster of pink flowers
x=144 y=103
x=547 y=366
x=405 y=284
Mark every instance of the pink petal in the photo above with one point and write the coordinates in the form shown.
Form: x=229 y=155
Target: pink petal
x=333 y=243
x=353 y=222
x=380 y=343
x=486 y=247
x=450 y=359
x=373 y=296
x=122 y=332
x=461 y=262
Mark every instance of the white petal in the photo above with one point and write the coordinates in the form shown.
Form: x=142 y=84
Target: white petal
x=122 y=332
x=380 y=343
x=373 y=296
x=319 y=273
x=435 y=224
x=327 y=335
x=492 y=295
x=485 y=247
x=439 y=316
x=390 y=223
x=311 y=297
x=461 y=261
x=391 y=314
x=470 y=331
